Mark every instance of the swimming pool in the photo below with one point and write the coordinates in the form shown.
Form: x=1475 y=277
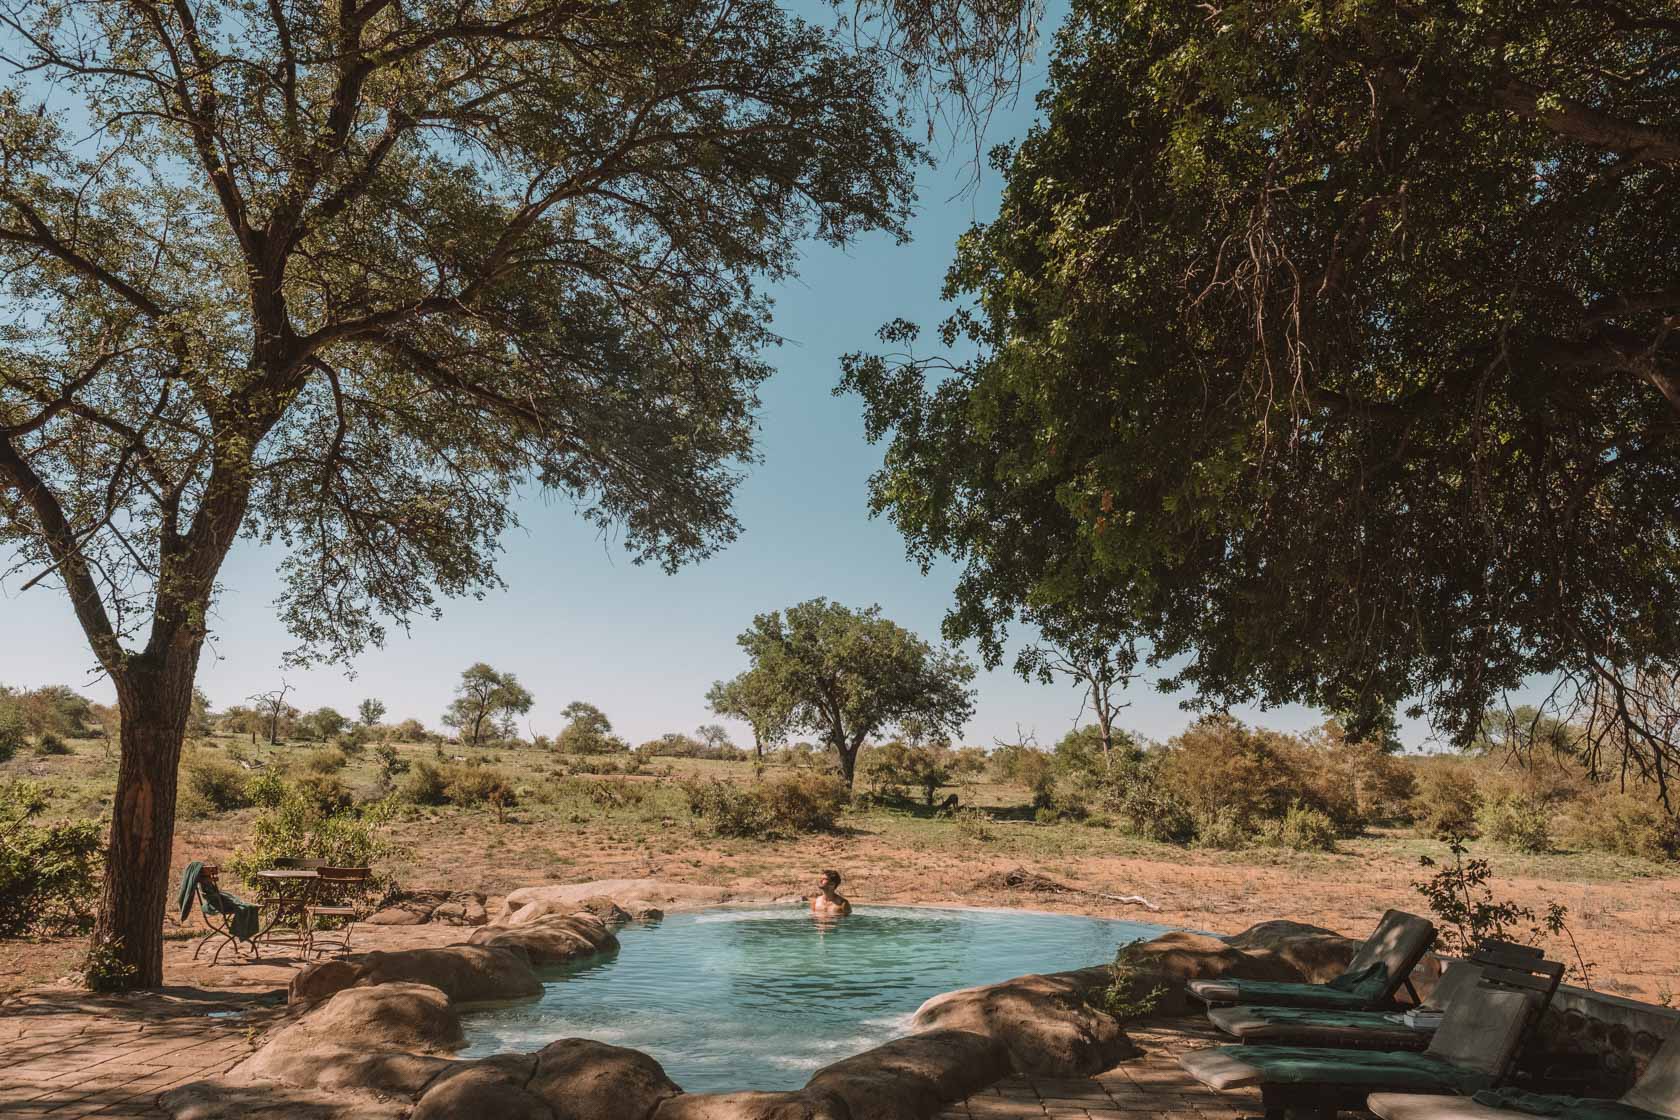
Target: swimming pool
x=761 y=998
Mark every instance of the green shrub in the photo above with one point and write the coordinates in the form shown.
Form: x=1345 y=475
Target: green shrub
x=423 y=785
x=728 y=809
x=1223 y=830
x=47 y=872
x=804 y=802
x=391 y=764
x=471 y=786
x=1626 y=826
x=329 y=760
x=266 y=789
x=1125 y=996
x=50 y=743
x=13 y=731
x=1517 y=823
x=1305 y=830
x=1446 y=803
x=215 y=783
x=327 y=792
x=300 y=827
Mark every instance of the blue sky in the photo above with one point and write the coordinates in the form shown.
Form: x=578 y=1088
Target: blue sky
x=578 y=621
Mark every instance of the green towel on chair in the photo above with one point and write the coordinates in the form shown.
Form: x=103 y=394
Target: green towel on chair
x=244 y=919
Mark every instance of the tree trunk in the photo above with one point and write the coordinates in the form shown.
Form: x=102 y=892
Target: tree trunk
x=129 y=929
x=848 y=763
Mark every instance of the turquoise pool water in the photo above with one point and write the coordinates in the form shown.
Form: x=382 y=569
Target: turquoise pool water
x=761 y=998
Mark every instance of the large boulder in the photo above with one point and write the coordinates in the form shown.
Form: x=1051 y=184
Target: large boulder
x=382 y=1039
x=550 y=940
x=753 y=1106
x=1316 y=954
x=572 y=1079
x=629 y=894
x=465 y=973
x=412 y=908
x=1047 y=1024
x=912 y=1077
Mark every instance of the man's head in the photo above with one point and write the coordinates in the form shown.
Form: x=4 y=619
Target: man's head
x=830 y=880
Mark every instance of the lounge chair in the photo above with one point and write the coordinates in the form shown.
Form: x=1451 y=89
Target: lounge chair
x=1371 y=979
x=1472 y=1051
x=1382 y=1030
x=231 y=921
x=1656 y=1094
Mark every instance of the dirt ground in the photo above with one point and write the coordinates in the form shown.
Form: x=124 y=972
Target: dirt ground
x=1628 y=929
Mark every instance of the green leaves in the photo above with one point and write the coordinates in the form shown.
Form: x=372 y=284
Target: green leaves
x=1336 y=303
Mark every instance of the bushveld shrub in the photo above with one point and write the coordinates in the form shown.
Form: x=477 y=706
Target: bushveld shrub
x=614 y=793
x=1128 y=994
x=1518 y=823
x=410 y=731
x=327 y=761
x=1446 y=803
x=212 y=784
x=782 y=806
x=13 y=733
x=1629 y=826
x=47 y=872
x=1304 y=830
x=300 y=827
x=805 y=802
x=327 y=792
x=391 y=764
x=892 y=769
x=470 y=786
x=1223 y=830
x=423 y=784
x=266 y=789
x=674 y=744
x=50 y=743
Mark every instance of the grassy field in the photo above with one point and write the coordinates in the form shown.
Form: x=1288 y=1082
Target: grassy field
x=571 y=827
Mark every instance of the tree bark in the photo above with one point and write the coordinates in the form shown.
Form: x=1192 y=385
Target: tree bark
x=848 y=763
x=154 y=704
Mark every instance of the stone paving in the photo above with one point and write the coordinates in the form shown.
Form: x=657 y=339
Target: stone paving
x=1150 y=1087
x=68 y=1055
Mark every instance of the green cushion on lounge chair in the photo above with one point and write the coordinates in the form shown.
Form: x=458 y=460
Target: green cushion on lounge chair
x=1318 y=1026
x=1367 y=983
x=1544 y=1104
x=1283 y=993
x=1307 y=1065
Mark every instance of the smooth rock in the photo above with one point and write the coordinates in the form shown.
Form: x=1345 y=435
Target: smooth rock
x=631 y=894
x=586 y=1080
x=1046 y=1023
x=380 y=1039
x=605 y=909
x=552 y=940
x=912 y=1077
x=492 y=1089
x=465 y=973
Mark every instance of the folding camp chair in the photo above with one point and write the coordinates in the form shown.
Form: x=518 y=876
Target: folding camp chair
x=1372 y=1030
x=1473 y=1050
x=1655 y=1096
x=1375 y=974
x=231 y=921
x=342 y=899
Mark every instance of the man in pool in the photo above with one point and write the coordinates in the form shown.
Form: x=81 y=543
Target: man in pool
x=828 y=902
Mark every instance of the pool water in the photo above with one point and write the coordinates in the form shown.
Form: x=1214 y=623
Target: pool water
x=760 y=999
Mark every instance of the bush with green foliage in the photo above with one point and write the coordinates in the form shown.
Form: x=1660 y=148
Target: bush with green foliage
x=1519 y=823
x=302 y=827
x=1625 y=825
x=211 y=784
x=391 y=764
x=471 y=786
x=1224 y=830
x=51 y=743
x=1447 y=802
x=48 y=872
x=266 y=789
x=894 y=768
x=780 y=807
x=327 y=792
x=13 y=732
x=423 y=784
x=1303 y=830
x=327 y=760
x=1129 y=994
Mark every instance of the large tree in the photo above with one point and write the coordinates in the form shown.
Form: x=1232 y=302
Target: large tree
x=1338 y=344
x=486 y=699
x=851 y=675
x=341 y=276
x=755 y=699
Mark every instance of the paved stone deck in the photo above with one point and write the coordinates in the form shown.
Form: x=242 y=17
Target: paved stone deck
x=68 y=1055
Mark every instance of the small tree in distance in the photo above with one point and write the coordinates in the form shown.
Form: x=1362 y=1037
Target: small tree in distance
x=274 y=709
x=587 y=731
x=370 y=712
x=483 y=699
x=755 y=699
x=851 y=675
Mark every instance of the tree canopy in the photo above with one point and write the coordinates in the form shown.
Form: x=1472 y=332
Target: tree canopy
x=587 y=731
x=486 y=700
x=851 y=675
x=1332 y=350
x=343 y=277
x=755 y=698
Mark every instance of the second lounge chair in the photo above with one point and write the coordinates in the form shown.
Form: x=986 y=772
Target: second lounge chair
x=1375 y=974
